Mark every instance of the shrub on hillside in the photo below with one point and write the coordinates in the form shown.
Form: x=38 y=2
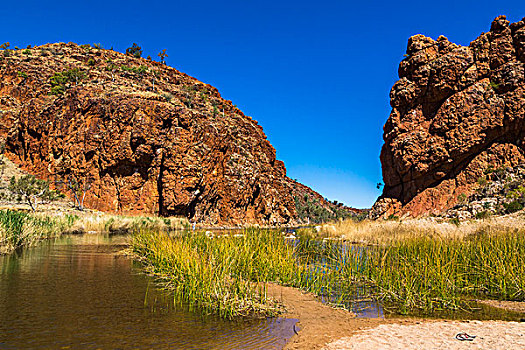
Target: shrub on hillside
x=59 y=81
x=134 y=50
x=513 y=206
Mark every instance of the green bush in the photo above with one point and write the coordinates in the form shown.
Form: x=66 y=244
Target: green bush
x=513 y=206
x=393 y=217
x=134 y=50
x=455 y=221
x=494 y=85
x=462 y=198
x=136 y=70
x=311 y=209
x=57 y=90
x=482 y=181
x=31 y=190
x=517 y=193
x=59 y=80
x=482 y=215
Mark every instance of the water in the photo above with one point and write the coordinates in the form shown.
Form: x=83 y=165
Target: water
x=75 y=293
x=479 y=311
x=359 y=298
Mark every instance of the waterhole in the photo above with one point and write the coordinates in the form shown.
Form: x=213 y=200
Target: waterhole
x=76 y=293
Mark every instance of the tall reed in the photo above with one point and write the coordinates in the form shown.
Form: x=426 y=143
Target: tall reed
x=226 y=275
x=431 y=273
x=19 y=229
x=220 y=275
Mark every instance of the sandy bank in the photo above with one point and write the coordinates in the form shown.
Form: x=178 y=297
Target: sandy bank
x=429 y=335
x=318 y=324
x=323 y=327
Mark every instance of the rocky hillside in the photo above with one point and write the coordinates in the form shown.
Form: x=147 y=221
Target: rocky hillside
x=139 y=137
x=312 y=208
x=456 y=111
x=499 y=191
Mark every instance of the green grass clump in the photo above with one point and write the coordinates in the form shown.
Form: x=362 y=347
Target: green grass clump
x=221 y=275
x=226 y=275
x=433 y=274
x=60 y=81
x=19 y=229
x=136 y=70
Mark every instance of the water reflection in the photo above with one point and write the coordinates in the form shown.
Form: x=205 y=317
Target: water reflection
x=76 y=293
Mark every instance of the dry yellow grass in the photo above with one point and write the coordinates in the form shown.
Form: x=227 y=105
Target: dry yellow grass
x=385 y=231
x=96 y=222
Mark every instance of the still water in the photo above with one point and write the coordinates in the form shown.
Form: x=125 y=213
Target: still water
x=76 y=293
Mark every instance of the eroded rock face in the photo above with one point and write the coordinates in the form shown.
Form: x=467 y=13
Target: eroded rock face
x=455 y=111
x=147 y=138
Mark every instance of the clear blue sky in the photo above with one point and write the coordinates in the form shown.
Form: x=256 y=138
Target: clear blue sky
x=316 y=75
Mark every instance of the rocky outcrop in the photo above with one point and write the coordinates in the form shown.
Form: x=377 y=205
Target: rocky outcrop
x=456 y=111
x=142 y=137
x=499 y=191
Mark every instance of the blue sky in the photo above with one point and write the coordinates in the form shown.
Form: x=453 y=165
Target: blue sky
x=316 y=75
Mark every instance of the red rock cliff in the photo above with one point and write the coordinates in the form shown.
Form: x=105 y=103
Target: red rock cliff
x=455 y=111
x=148 y=138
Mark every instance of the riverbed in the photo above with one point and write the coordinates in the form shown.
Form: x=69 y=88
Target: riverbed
x=77 y=293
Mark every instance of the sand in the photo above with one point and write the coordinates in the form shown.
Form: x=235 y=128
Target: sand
x=490 y=335
x=318 y=323
x=323 y=327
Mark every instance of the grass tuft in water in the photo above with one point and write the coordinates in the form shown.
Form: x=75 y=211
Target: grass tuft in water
x=226 y=275
x=222 y=275
x=19 y=229
x=426 y=274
